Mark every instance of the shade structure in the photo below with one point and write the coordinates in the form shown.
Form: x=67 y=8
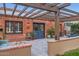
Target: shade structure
x=52 y=11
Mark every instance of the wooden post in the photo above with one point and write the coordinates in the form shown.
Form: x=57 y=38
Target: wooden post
x=57 y=28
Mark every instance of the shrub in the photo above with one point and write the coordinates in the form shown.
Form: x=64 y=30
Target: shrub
x=50 y=32
x=75 y=28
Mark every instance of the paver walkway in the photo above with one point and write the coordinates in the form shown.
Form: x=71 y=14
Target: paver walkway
x=39 y=47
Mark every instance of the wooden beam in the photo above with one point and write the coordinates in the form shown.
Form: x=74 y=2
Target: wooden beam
x=40 y=6
x=29 y=12
x=52 y=4
x=41 y=14
x=1 y=15
x=45 y=19
x=22 y=11
x=4 y=8
x=71 y=18
x=51 y=14
x=62 y=16
x=35 y=13
x=53 y=17
x=57 y=24
x=71 y=11
x=66 y=13
x=47 y=16
x=14 y=10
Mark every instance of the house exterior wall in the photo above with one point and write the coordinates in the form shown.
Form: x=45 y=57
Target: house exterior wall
x=27 y=27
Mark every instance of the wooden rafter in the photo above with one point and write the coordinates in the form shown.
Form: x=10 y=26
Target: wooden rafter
x=66 y=13
x=45 y=7
x=46 y=16
x=41 y=14
x=52 y=4
x=52 y=17
x=9 y=9
x=35 y=13
x=14 y=10
x=63 y=16
x=4 y=8
x=22 y=11
x=50 y=14
x=71 y=11
x=29 y=12
x=71 y=18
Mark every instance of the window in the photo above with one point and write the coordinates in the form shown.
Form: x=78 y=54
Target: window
x=14 y=27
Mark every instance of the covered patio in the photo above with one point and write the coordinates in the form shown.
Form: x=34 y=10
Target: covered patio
x=57 y=12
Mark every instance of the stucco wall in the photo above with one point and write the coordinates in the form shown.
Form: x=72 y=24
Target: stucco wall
x=61 y=46
x=24 y=50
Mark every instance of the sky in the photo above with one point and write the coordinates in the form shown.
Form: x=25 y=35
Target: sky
x=74 y=6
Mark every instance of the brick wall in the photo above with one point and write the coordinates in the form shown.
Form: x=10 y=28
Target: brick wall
x=27 y=26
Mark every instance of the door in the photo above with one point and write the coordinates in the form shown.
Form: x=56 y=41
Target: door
x=39 y=30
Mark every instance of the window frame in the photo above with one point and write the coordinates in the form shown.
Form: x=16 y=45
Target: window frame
x=14 y=32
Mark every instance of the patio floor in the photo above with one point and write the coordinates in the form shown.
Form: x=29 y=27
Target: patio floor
x=39 y=47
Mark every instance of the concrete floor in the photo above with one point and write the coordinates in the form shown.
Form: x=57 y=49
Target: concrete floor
x=39 y=47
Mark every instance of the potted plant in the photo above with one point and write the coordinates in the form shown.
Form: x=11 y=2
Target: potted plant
x=30 y=35
x=50 y=33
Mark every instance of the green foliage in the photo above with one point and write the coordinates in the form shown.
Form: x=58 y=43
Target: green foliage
x=75 y=28
x=51 y=32
x=32 y=34
x=74 y=52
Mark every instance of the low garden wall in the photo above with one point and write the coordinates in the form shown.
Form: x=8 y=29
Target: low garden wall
x=24 y=50
x=60 y=46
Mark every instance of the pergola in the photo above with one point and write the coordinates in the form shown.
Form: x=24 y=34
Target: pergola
x=52 y=11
